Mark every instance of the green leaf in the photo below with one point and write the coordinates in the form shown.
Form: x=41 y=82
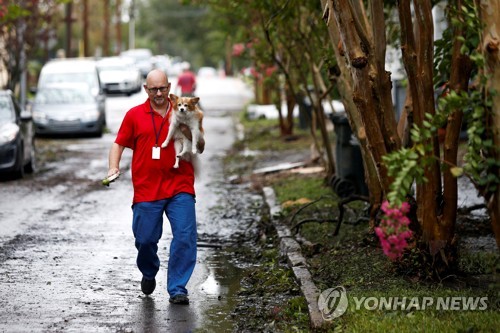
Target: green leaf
x=457 y=171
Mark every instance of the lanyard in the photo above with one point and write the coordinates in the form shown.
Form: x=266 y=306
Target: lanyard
x=157 y=134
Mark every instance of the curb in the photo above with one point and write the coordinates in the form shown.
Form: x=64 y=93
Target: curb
x=290 y=248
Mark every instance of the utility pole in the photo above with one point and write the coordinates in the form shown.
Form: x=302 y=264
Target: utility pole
x=131 y=26
x=22 y=64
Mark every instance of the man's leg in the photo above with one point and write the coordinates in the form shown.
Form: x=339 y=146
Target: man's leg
x=147 y=226
x=181 y=213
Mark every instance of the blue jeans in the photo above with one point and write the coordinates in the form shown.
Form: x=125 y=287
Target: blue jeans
x=147 y=226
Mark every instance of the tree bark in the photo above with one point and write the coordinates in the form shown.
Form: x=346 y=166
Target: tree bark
x=352 y=112
x=461 y=67
x=118 y=27
x=366 y=90
x=85 y=20
x=106 y=37
x=417 y=47
x=490 y=17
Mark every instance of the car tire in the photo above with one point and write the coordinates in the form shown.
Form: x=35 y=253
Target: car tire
x=18 y=172
x=99 y=132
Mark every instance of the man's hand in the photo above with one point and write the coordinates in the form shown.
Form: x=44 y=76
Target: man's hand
x=200 y=145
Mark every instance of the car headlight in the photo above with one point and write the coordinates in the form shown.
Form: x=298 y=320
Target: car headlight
x=8 y=133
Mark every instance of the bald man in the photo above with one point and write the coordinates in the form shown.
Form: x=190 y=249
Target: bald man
x=158 y=189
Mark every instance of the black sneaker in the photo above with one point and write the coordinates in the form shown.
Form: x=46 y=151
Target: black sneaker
x=179 y=299
x=148 y=286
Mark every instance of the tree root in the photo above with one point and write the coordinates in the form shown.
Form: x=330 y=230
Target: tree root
x=340 y=206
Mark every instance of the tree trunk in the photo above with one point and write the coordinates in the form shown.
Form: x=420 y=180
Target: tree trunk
x=417 y=50
x=353 y=114
x=106 y=38
x=68 y=31
x=118 y=27
x=319 y=87
x=85 y=20
x=490 y=17
x=369 y=97
x=228 y=64
x=290 y=105
x=461 y=67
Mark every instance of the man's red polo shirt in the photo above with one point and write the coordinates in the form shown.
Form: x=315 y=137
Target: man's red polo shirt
x=153 y=179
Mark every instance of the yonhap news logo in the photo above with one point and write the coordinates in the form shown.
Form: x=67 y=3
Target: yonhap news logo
x=333 y=303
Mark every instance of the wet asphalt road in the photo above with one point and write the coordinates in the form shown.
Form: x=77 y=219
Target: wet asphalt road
x=67 y=255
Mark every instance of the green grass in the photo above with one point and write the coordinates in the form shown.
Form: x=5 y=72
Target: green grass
x=264 y=135
x=294 y=188
x=418 y=321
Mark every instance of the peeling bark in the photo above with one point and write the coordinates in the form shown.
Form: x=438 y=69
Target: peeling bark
x=353 y=113
x=366 y=92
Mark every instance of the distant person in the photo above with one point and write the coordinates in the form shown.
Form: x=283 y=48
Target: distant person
x=61 y=54
x=158 y=189
x=186 y=82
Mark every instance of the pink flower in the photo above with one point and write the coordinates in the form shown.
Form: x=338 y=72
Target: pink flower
x=238 y=49
x=393 y=231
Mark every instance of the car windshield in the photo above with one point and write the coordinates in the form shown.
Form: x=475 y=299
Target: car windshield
x=6 y=112
x=63 y=96
x=111 y=67
x=89 y=78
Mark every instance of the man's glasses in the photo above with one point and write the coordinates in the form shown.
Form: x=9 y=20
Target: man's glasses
x=155 y=90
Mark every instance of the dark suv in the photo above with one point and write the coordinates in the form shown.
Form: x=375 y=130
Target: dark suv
x=17 y=140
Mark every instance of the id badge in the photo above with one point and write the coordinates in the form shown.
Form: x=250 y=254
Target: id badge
x=156 y=153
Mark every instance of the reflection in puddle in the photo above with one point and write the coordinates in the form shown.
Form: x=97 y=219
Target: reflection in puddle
x=210 y=286
x=147 y=315
x=221 y=288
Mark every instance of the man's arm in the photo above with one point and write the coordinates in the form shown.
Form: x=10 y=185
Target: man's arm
x=115 y=155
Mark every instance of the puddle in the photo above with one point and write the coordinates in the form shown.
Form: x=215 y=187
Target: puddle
x=221 y=286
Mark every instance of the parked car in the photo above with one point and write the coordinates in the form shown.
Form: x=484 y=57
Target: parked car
x=72 y=70
x=17 y=138
x=119 y=75
x=68 y=108
x=142 y=57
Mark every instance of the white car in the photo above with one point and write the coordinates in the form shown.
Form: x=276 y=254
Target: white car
x=119 y=75
x=142 y=59
x=68 y=108
x=71 y=70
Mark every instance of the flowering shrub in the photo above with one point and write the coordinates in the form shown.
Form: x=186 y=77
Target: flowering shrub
x=393 y=230
x=238 y=49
